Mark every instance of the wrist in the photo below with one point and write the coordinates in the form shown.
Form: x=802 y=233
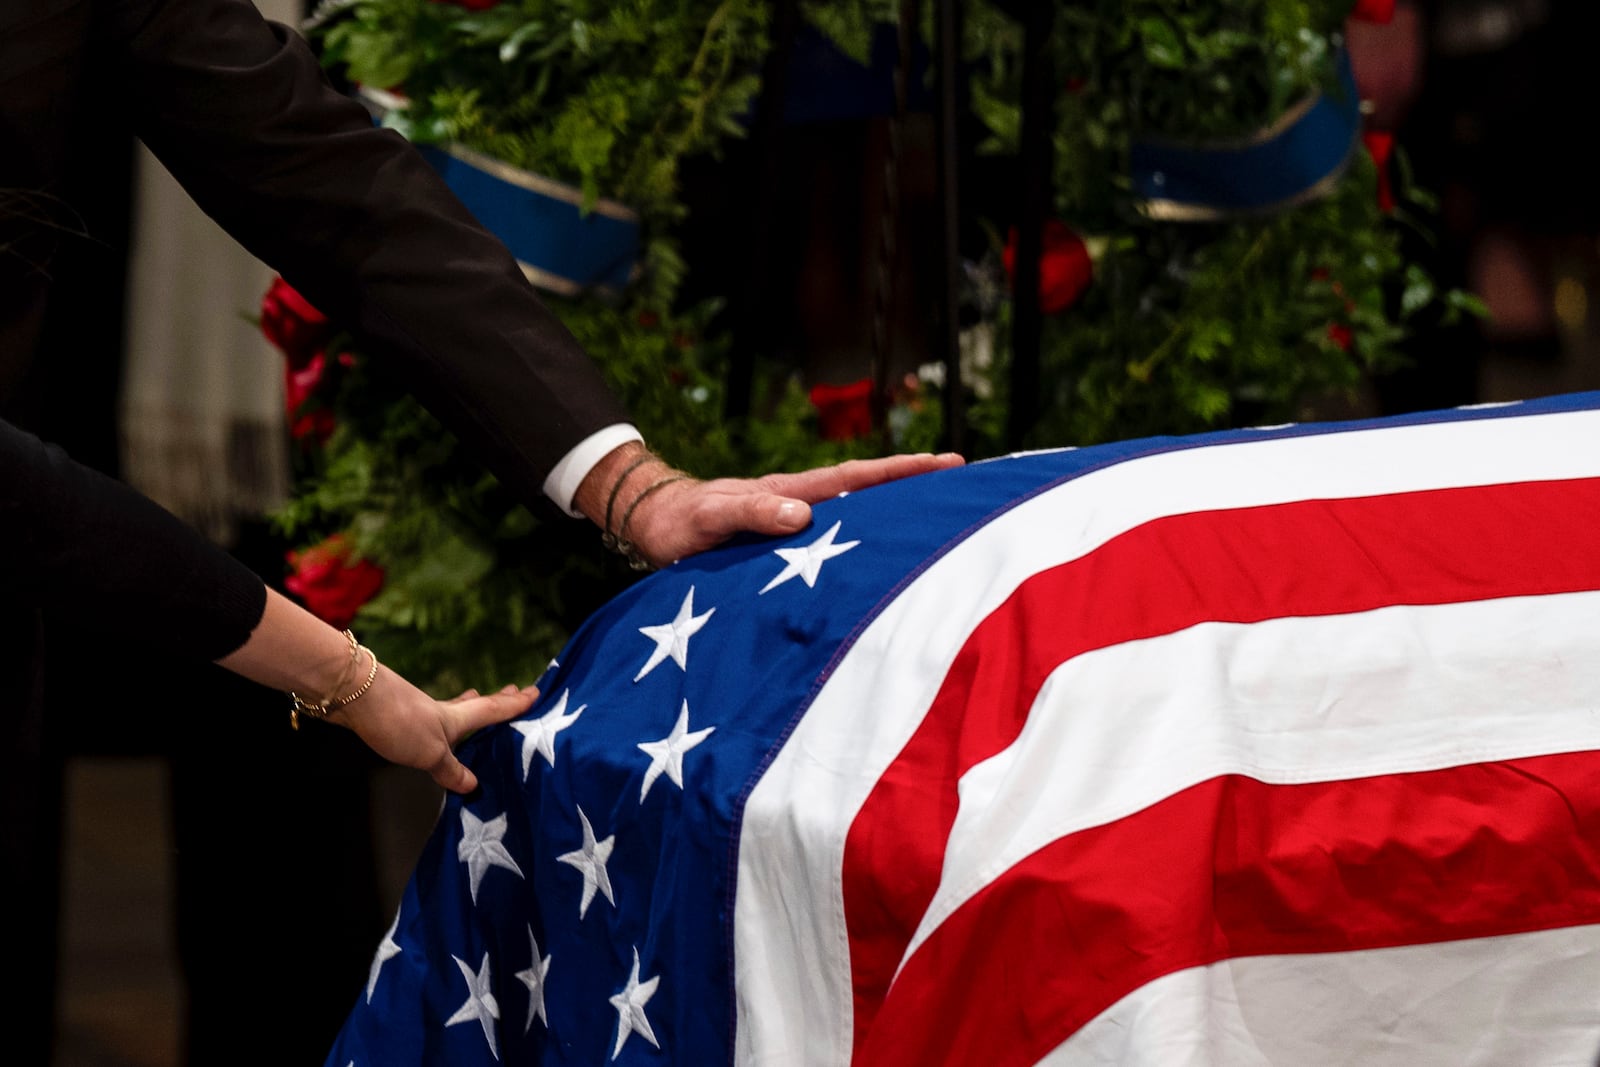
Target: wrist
x=355 y=675
x=614 y=496
x=630 y=527
x=603 y=485
x=329 y=671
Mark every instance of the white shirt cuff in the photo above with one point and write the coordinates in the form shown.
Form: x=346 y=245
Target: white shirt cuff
x=561 y=484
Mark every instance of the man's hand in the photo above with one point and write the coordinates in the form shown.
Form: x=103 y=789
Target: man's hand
x=680 y=518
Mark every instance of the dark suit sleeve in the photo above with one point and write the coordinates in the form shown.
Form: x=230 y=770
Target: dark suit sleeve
x=241 y=112
x=86 y=547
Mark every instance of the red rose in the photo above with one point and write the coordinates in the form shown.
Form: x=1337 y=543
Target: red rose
x=1380 y=145
x=1340 y=335
x=844 y=412
x=289 y=321
x=1373 y=10
x=1065 y=266
x=331 y=586
x=299 y=384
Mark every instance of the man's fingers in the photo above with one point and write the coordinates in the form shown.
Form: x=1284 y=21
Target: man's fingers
x=786 y=508
x=853 y=474
x=702 y=515
x=773 y=514
x=718 y=516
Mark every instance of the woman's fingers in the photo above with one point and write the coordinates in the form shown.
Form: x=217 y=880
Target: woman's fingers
x=465 y=716
x=470 y=715
x=453 y=775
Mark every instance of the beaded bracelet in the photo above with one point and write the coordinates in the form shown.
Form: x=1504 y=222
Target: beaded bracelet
x=616 y=487
x=321 y=709
x=621 y=542
x=618 y=542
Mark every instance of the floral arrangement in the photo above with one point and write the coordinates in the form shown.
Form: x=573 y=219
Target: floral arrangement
x=1150 y=325
x=1161 y=325
x=399 y=527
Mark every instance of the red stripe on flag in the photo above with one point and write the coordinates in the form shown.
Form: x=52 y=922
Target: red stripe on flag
x=1235 y=867
x=1305 y=558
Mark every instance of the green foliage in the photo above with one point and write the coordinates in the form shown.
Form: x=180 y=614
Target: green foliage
x=1231 y=323
x=1185 y=326
x=610 y=98
x=606 y=96
x=1191 y=326
x=850 y=23
x=1216 y=69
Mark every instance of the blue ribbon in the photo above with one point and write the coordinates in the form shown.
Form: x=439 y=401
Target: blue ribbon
x=561 y=247
x=1296 y=159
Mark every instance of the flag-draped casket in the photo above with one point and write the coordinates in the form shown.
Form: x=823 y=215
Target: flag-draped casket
x=1271 y=746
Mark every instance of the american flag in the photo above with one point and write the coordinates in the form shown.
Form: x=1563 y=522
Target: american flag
x=1272 y=746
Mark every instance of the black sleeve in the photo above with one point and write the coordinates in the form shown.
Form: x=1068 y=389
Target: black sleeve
x=241 y=112
x=84 y=546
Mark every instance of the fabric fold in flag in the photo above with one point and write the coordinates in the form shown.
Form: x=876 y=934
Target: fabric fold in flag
x=1277 y=743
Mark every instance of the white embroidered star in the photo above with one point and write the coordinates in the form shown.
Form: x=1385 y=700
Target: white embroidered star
x=630 y=1008
x=539 y=735
x=591 y=861
x=806 y=563
x=534 y=978
x=481 y=848
x=388 y=948
x=667 y=753
x=480 y=1003
x=672 y=638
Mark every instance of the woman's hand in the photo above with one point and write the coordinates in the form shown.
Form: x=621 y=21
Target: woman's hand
x=406 y=726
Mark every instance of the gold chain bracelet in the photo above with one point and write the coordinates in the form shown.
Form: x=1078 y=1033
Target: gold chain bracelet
x=321 y=709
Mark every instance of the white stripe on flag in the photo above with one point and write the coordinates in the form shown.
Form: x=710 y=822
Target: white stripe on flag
x=1518 y=999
